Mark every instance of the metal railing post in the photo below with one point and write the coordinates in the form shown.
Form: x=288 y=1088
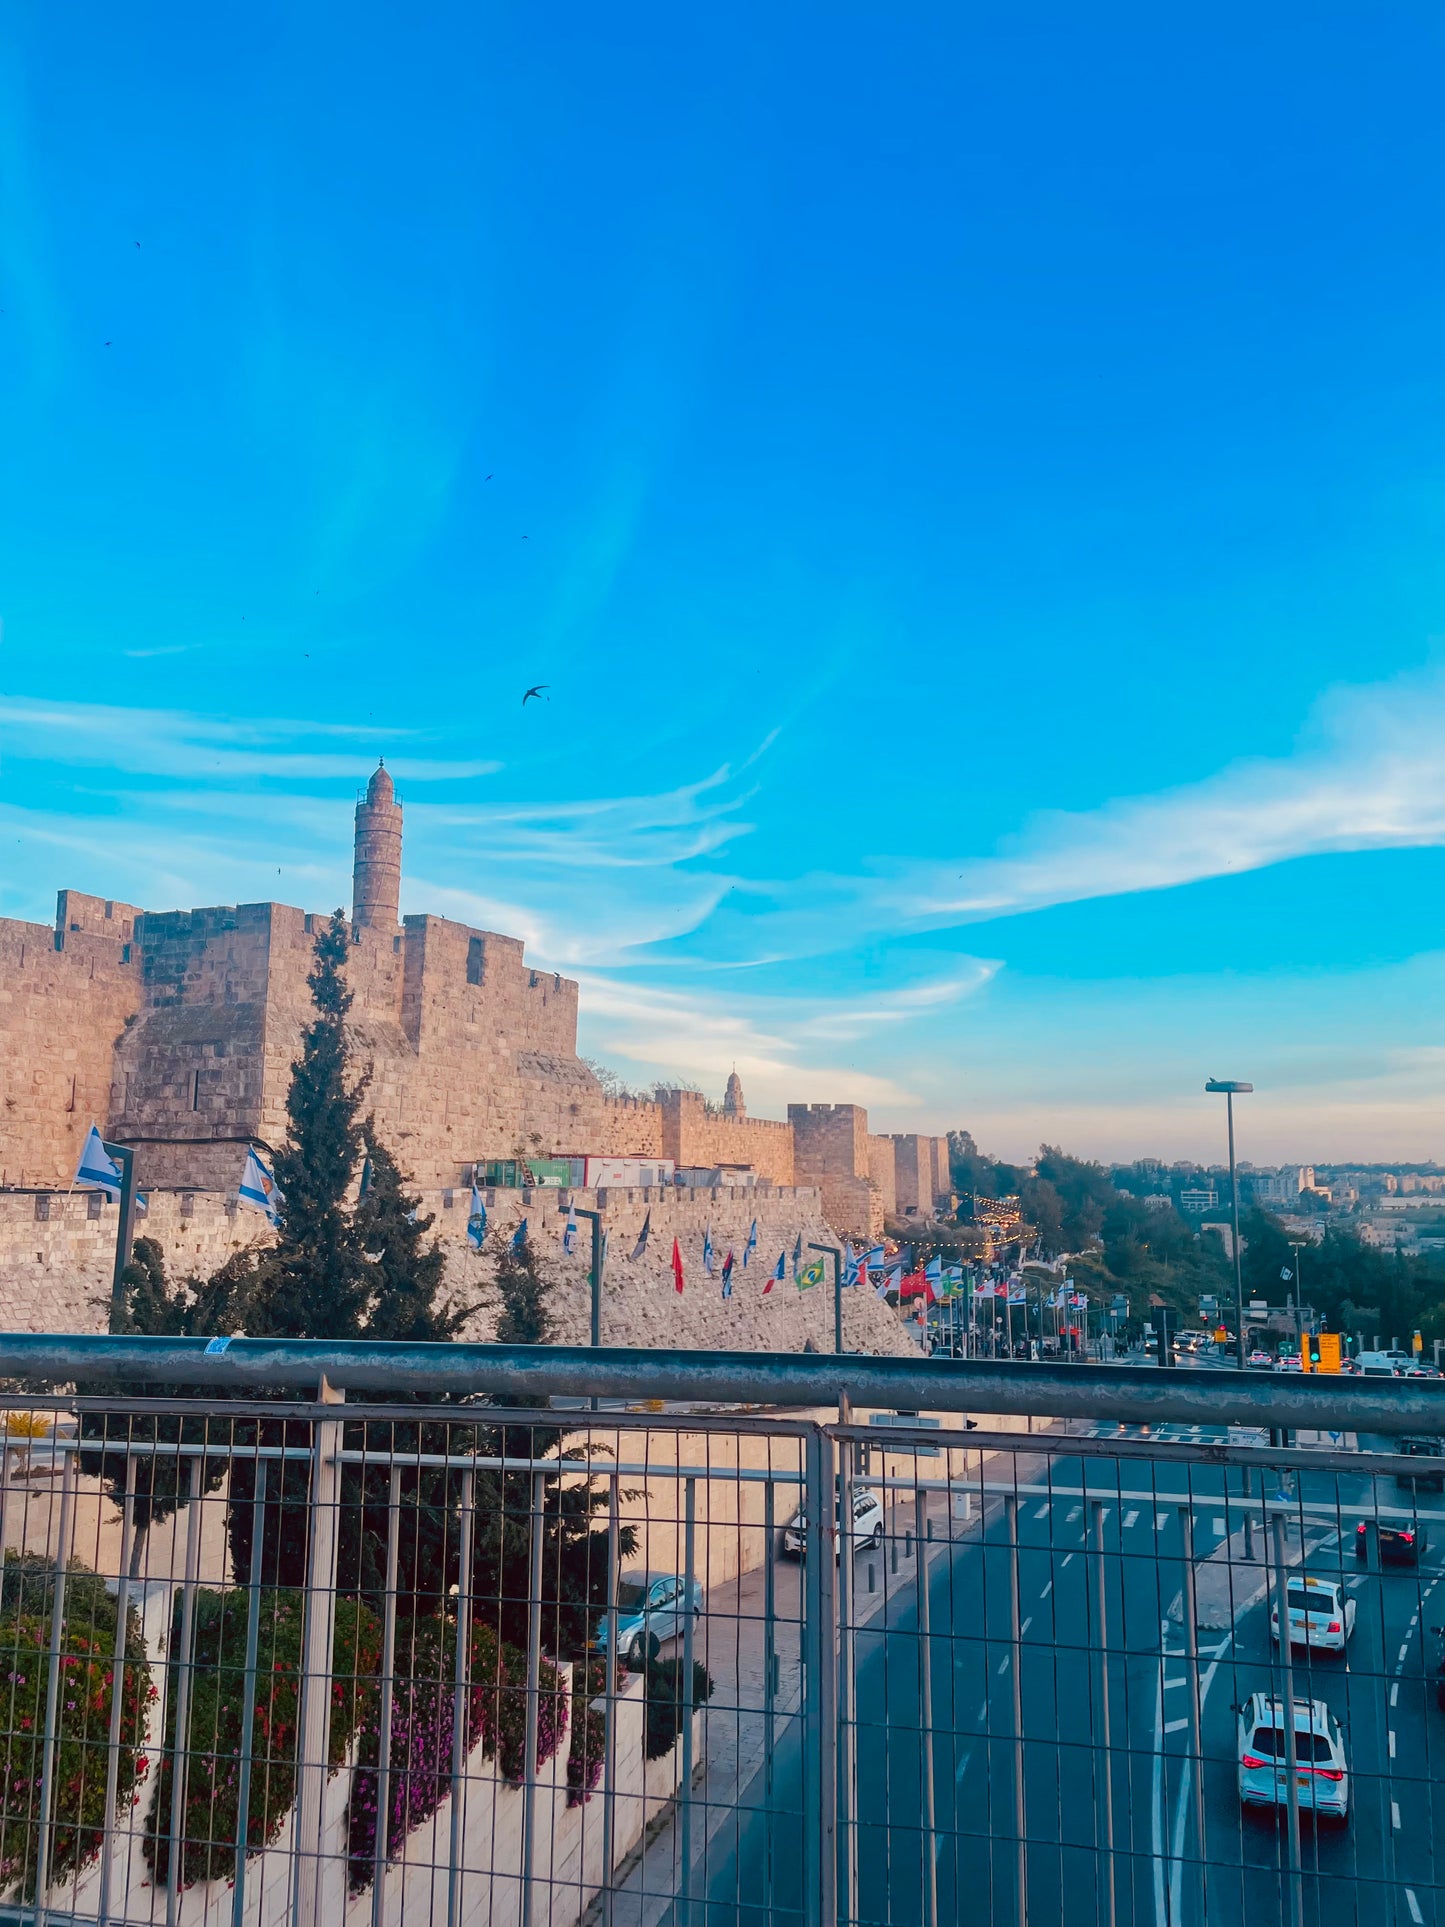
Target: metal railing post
x=1191 y=1654
x=1104 y=1778
x=51 y=1742
x=382 y=1853
x=925 y=1713
x=534 y=1695
x=847 y=1718
x=314 y=1718
x=683 y=1913
x=1021 y=1873
x=1291 y=1750
x=117 y=1691
x=181 y=1753
x=820 y=1726
x=609 y=1731
x=248 y=1710
x=461 y=1673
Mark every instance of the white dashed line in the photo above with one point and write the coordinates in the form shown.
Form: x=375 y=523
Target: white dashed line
x=1404 y=1652
x=1174 y=1682
x=1131 y=1518
x=1392 y=1742
x=1047 y=1590
x=983 y=1714
x=1395 y=1815
x=1415 y=1914
x=1043 y=1511
x=1395 y=1693
x=959 y=1770
x=1074 y=1512
x=1175 y=1726
x=1003 y=1665
x=1067 y=1557
x=1024 y=1628
x=1161 y=1519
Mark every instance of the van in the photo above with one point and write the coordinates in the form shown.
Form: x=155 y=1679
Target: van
x=1381 y=1364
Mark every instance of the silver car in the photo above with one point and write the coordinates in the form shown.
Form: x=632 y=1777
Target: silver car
x=652 y=1607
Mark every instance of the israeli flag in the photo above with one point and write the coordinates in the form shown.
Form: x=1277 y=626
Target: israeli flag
x=850 y=1264
x=639 y=1249
x=1285 y=1273
x=569 y=1236
x=97 y=1169
x=259 y=1188
x=933 y=1271
x=752 y=1244
x=476 y=1221
x=707 y=1251
x=519 y=1237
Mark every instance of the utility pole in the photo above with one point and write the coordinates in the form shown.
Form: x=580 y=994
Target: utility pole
x=1232 y=1086
x=836 y=1255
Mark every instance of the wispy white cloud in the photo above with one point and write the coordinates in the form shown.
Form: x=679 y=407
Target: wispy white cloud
x=1367 y=775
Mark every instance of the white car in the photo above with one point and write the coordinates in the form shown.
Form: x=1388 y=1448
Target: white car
x=1321 y=1776
x=867 y=1526
x=1321 y=1614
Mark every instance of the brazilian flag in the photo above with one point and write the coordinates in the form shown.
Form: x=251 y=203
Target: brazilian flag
x=810 y=1275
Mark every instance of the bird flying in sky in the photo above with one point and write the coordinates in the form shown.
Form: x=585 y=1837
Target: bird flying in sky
x=535 y=690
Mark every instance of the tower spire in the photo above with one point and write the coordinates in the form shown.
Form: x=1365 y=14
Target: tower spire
x=376 y=872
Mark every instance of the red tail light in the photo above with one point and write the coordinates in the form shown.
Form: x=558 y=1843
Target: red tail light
x=1408 y=1537
x=1328 y=1772
x=1250 y=1761
x=1334 y=1625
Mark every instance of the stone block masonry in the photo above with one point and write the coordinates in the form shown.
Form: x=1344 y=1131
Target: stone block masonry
x=56 y=1253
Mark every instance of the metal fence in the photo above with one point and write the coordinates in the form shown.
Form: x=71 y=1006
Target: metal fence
x=473 y=1662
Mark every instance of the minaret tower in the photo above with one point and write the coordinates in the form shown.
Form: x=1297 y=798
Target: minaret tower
x=376 y=876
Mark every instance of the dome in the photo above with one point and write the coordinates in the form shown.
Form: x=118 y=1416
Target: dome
x=380 y=789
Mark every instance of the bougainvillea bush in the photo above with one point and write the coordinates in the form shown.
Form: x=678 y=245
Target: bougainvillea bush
x=213 y=1767
x=589 y=1729
x=83 y=1710
x=423 y=1725
x=664 y=1701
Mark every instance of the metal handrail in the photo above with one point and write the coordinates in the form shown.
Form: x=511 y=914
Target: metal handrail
x=1130 y=1393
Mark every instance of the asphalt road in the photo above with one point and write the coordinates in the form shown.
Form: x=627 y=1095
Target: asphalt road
x=1379 y=1870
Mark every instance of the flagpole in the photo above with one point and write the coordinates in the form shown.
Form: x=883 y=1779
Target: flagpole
x=836 y=1255
x=125 y=1231
x=594 y=1275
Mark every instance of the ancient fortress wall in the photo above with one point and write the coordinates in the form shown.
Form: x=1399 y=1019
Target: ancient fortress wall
x=694 y=1135
x=55 y=1268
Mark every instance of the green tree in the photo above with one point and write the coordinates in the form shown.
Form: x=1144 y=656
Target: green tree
x=407 y=1272
x=524 y=1318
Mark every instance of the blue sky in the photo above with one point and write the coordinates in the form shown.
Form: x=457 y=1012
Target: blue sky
x=972 y=479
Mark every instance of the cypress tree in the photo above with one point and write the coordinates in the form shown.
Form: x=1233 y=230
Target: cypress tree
x=318 y=1284
x=407 y=1273
x=524 y=1318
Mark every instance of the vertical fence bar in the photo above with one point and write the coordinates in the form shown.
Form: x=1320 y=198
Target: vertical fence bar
x=929 y=1818
x=684 y=1795
x=382 y=1853
x=820 y=1726
x=51 y=1742
x=1021 y=1873
x=609 y=1732
x=248 y=1709
x=461 y=1670
x=1104 y=1777
x=309 y=1902
x=117 y=1690
x=1291 y=1750
x=1191 y=1655
x=534 y=1691
x=847 y=1719
x=183 y=1668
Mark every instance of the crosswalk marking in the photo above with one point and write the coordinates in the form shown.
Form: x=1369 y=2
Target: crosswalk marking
x=1161 y=1519
x=1043 y=1511
x=1130 y=1518
x=1074 y=1512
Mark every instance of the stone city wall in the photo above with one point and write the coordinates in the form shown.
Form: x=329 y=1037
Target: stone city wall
x=694 y=1136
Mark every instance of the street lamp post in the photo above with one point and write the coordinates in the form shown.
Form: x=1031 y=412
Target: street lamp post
x=1232 y=1087
x=836 y=1255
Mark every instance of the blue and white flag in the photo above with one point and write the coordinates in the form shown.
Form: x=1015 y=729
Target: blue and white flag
x=752 y=1244
x=850 y=1264
x=569 y=1236
x=707 y=1251
x=933 y=1271
x=476 y=1221
x=97 y=1169
x=259 y=1188
x=366 y=1179
x=640 y=1248
x=519 y=1237
x=887 y=1280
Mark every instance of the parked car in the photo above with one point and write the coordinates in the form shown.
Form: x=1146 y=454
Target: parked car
x=1260 y=1358
x=1399 y=1545
x=652 y=1607
x=1321 y=1773
x=1321 y=1614
x=867 y=1526
x=1432 y=1471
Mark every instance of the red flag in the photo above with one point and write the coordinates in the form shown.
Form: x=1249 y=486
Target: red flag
x=676 y=1266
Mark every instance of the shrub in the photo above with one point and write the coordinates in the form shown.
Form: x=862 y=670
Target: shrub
x=87 y=1655
x=211 y=1810
x=664 y=1702
x=423 y=1726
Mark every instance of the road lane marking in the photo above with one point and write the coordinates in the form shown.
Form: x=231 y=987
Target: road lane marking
x=1175 y=1726
x=963 y=1763
x=1353 y=1585
x=1067 y=1557
x=1074 y=1512
x=1175 y=1682
x=1024 y=1628
x=1404 y=1651
x=983 y=1714
x=1047 y=1590
x=1043 y=1511
x=1161 y=1519
x=1219 y=1527
x=1395 y=1815
x=1395 y=1693
x=1131 y=1518
x=1392 y=1742
x=1003 y=1665
x=1415 y=1914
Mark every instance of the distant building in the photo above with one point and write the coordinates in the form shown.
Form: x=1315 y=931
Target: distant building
x=1159 y=1201
x=1282 y=1187
x=1199 y=1199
